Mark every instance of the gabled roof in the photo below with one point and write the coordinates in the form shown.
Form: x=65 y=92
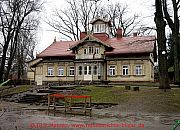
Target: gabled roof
x=90 y=38
x=124 y=45
x=58 y=48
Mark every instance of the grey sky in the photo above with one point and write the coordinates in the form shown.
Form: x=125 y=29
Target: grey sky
x=142 y=7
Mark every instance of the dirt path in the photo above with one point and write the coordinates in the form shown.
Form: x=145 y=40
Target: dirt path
x=16 y=118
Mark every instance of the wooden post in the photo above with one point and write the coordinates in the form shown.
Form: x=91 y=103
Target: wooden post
x=48 y=103
x=85 y=106
x=65 y=104
x=54 y=105
x=90 y=108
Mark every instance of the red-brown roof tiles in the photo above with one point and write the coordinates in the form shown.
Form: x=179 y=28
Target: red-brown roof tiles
x=125 y=45
x=139 y=44
x=59 y=48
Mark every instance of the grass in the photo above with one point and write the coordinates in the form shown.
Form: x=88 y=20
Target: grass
x=15 y=90
x=105 y=94
x=140 y=84
x=148 y=99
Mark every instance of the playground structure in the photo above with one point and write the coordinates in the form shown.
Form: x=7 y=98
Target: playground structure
x=70 y=103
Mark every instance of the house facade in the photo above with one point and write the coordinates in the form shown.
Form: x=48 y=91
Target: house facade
x=96 y=57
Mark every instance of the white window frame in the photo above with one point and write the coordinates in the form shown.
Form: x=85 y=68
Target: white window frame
x=71 y=70
x=80 y=70
x=61 y=71
x=50 y=71
x=102 y=27
x=90 y=70
x=85 y=50
x=85 y=70
x=94 y=28
x=97 y=50
x=99 y=69
x=95 y=70
x=90 y=48
x=125 y=68
x=138 y=70
x=98 y=28
x=112 y=70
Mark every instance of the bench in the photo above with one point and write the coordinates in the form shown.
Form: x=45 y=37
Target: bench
x=135 y=88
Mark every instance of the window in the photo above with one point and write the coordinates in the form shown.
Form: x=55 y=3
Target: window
x=95 y=70
x=97 y=51
x=89 y=70
x=125 y=69
x=111 y=70
x=85 y=70
x=85 y=51
x=102 y=27
x=60 y=71
x=50 y=71
x=98 y=28
x=80 y=70
x=138 y=70
x=71 y=71
x=99 y=69
x=90 y=49
x=94 y=28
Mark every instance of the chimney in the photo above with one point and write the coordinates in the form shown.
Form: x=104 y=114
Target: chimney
x=82 y=35
x=54 y=39
x=119 y=32
x=135 y=34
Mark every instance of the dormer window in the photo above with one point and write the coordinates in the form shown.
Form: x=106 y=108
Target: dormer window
x=99 y=28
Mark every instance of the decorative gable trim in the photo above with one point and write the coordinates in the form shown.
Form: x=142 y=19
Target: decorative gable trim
x=90 y=38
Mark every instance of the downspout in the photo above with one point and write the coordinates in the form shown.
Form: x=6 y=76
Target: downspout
x=74 y=73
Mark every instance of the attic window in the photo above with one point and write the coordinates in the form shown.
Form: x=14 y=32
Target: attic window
x=90 y=49
x=98 y=28
x=96 y=50
x=85 y=51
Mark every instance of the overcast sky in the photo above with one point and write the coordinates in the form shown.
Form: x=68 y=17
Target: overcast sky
x=142 y=7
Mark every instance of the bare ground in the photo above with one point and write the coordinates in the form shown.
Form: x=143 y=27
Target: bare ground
x=16 y=117
x=138 y=111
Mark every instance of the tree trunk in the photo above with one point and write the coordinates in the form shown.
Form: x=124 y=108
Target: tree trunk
x=176 y=43
x=161 y=41
x=3 y=61
x=174 y=26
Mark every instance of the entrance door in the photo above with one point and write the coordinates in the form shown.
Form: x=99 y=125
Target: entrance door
x=39 y=79
x=87 y=73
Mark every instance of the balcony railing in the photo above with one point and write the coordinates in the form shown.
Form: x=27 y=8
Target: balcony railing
x=90 y=56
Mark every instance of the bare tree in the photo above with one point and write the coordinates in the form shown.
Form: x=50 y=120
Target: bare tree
x=161 y=41
x=76 y=18
x=120 y=17
x=71 y=21
x=173 y=22
x=25 y=47
x=12 y=16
